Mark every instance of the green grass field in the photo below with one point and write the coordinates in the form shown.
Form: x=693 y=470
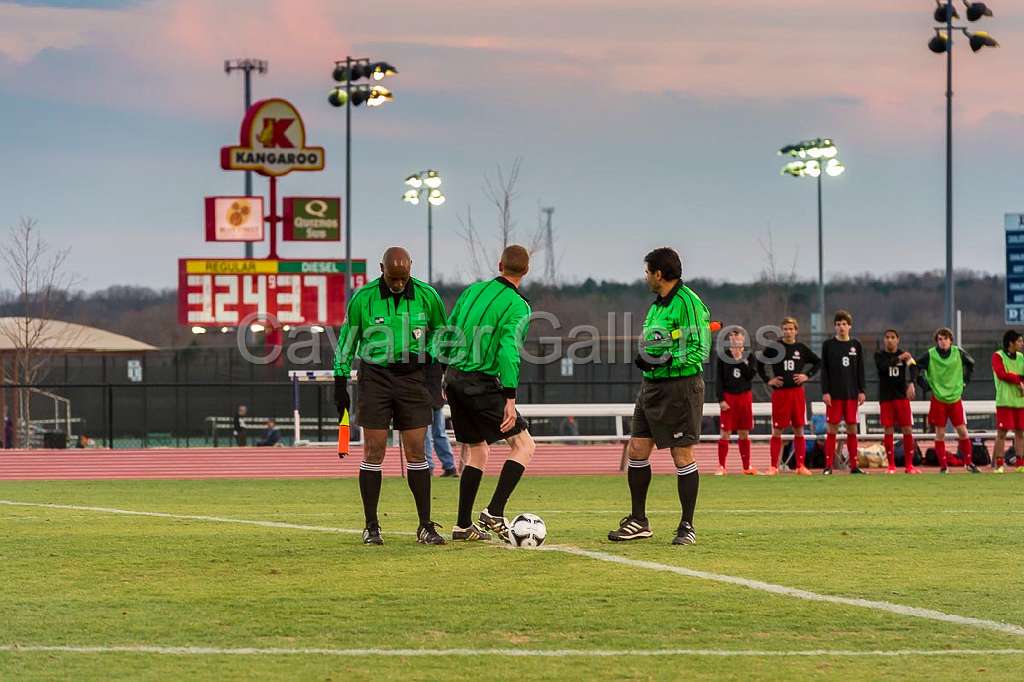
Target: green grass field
x=100 y=579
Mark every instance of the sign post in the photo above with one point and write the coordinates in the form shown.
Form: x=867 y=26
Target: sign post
x=1014 y=311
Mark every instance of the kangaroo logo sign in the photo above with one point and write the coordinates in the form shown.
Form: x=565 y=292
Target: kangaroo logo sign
x=273 y=142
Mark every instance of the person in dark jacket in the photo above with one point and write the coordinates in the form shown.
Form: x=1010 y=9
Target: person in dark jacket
x=271 y=436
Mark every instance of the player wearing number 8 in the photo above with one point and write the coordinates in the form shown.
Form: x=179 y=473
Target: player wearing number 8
x=842 y=388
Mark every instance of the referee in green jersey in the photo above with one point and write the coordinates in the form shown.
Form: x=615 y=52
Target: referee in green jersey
x=481 y=346
x=675 y=344
x=388 y=326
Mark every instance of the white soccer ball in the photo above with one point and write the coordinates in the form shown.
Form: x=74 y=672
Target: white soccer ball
x=527 y=530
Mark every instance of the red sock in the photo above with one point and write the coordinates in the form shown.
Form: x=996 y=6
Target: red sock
x=830 y=450
x=890 y=448
x=851 y=450
x=723 y=451
x=776 y=450
x=940 y=452
x=909 y=448
x=964 y=450
x=745 y=452
x=800 y=445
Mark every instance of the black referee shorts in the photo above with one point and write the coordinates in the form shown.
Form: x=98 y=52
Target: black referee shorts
x=670 y=411
x=389 y=397
x=478 y=407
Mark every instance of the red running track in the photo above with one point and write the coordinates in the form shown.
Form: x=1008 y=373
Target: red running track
x=197 y=463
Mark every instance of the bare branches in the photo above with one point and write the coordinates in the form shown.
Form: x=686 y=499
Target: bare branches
x=780 y=285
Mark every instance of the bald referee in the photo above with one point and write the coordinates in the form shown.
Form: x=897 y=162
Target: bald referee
x=388 y=326
x=675 y=344
x=481 y=346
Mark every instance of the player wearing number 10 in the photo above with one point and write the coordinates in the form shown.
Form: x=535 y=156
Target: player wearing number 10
x=895 y=391
x=389 y=325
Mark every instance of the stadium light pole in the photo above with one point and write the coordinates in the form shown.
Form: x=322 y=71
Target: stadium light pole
x=945 y=13
x=348 y=95
x=246 y=66
x=426 y=184
x=814 y=159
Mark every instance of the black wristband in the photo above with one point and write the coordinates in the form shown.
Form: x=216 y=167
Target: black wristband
x=509 y=393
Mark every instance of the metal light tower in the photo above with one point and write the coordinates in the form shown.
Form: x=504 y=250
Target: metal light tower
x=815 y=158
x=351 y=94
x=246 y=66
x=945 y=12
x=549 y=245
x=426 y=183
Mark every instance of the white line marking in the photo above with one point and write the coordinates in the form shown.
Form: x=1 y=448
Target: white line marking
x=929 y=614
x=899 y=609
x=193 y=517
x=544 y=653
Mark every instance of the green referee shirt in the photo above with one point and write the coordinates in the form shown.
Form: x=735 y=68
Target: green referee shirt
x=485 y=332
x=386 y=328
x=677 y=334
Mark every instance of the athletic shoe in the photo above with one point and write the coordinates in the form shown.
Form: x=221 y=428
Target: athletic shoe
x=449 y=473
x=631 y=529
x=973 y=468
x=772 y=471
x=720 y=472
x=803 y=471
x=427 y=534
x=495 y=524
x=470 y=534
x=999 y=470
x=685 y=535
x=859 y=471
x=827 y=471
x=750 y=472
x=371 y=535
x=943 y=470
x=891 y=470
x=913 y=470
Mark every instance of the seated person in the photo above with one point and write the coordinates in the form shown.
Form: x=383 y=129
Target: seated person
x=271 y=436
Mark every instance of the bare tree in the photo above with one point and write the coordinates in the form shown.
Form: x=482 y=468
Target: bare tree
x=779 y=285
x=500 y=193
x=41 y=281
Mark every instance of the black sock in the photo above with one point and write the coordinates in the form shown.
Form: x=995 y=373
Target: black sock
x=687 y=482
x=510 y=475
x=639 y=476
x=469 y=484
x=418 y=476
x=369 y=489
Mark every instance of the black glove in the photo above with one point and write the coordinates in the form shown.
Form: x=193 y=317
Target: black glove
x=341 y=399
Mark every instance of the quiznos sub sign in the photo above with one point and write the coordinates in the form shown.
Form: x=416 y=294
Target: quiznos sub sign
x=272 y=142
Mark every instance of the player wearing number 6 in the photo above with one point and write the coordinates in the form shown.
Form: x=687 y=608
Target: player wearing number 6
x=388 y=326
x=733 y=373
x=792 y=364
x=842 y=388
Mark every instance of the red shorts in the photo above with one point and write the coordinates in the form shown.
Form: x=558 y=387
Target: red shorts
x=1010 y=418
x=740 y=415
x=896 y=413
x=842 y=411
x=940 y=412
x=789 y=407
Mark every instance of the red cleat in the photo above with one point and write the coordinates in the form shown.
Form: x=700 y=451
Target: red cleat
x=913 y=470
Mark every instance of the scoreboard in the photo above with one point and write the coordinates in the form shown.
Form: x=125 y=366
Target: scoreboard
x=1014 y=228
x=223 y=292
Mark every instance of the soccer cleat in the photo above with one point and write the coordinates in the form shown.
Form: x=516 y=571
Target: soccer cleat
x=449 y=473
x=685 y=535
x=427 y=534
x=827 y=471
x=470 y=534
x=891 y=470
x=750 y=472
x=631 y=529
x=371 y=535
x=973 y=468
x=999 y=470
x=720 y=472
x=772 y=471
x=803 y=471
x=913 y=470
x=858 y=471
x=495 y=524
x=943 y=470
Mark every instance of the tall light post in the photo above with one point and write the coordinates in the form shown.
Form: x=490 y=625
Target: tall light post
x=247 y=67
x=814 y=159
x=426 y=185
x=348 y=95
x=945 y=13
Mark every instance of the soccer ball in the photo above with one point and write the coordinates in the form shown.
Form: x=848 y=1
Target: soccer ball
x=527 y=530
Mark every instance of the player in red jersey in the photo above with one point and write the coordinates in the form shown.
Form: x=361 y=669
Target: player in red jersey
x=791 y=366
x=733 y=374
x=842 y=388
x=895 y=391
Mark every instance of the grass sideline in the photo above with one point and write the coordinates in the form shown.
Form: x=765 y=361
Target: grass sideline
x=86 y=578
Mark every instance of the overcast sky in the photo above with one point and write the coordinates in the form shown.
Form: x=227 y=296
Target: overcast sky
x=645 y=123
